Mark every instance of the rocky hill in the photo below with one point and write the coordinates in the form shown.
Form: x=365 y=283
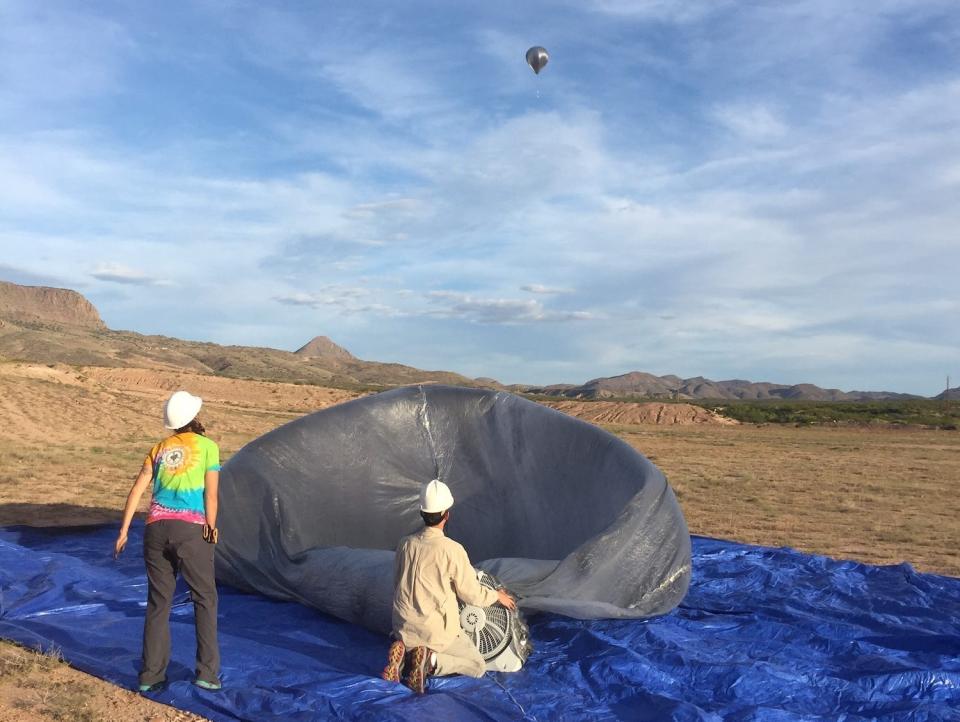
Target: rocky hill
x=50 y=326
x=323 y=347
x=949 y=395
x=640 y=385
x=40 y=304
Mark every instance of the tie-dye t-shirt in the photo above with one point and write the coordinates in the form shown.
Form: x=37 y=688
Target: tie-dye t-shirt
x=180 y=463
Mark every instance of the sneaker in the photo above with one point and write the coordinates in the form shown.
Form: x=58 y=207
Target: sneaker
x=156 y=686
x=204 y=684
x=421 y=663
x=395 y=659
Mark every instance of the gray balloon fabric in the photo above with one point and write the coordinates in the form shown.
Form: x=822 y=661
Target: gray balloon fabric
x=566 y=515
x=537 y=58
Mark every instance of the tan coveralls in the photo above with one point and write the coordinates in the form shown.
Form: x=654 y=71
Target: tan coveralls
x=430 y=572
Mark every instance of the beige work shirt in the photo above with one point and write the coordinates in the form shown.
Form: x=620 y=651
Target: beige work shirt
x=430 y=572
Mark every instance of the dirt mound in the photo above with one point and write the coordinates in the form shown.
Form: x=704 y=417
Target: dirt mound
x=33 y=304
x=266 y=395
x=620 y=412
x=59 y=404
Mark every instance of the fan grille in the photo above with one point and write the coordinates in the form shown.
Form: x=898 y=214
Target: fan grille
x=494 y=635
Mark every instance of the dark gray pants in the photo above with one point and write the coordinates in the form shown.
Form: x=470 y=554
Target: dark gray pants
x=170 y=547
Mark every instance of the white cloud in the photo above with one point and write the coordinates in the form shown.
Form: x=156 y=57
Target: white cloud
x=753 y=121
x=118 y=273
x=391 y=207
x=678 y=11
x=393 y=82
x=306 y=299
x=951 y=175
x=546 y=290
x=343 y=300
x=499 y=310
x=327 y=296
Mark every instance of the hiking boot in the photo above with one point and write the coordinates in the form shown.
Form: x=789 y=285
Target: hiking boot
x=421 y=664
x=395 y=659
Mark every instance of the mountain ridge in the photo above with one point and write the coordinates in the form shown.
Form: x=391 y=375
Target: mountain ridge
x=35 y=327
x=642 y=385
x=51 y=325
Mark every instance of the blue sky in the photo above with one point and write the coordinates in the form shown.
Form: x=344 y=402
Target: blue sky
x=760 y=190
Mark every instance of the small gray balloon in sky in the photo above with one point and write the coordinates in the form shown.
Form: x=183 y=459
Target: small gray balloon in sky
x=537 y=58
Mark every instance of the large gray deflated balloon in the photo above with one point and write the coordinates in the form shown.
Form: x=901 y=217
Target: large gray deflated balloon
x=569 y=517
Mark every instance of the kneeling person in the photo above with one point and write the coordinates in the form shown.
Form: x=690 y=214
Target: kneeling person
x=430 y=573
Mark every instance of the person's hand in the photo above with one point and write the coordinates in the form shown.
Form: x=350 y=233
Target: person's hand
x=503 y=596
x=120 y=544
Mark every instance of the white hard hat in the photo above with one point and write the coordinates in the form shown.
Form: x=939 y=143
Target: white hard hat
x=435 y=497
x=180 y=409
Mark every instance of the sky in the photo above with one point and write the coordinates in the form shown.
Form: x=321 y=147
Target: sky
x=763 y=190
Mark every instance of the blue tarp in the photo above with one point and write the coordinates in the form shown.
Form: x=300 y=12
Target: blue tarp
x=764 y=634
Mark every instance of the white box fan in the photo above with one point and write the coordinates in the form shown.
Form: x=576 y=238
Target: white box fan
x=501 y=635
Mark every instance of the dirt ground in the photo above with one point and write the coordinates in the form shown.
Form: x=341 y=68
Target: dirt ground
x=37 y=687
x=628 y=413
x=72 y=439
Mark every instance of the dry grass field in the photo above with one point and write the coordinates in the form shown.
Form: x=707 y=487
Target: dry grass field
x=71 y=440
x=877 y=495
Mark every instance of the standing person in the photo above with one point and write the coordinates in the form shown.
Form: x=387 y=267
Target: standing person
x=184 y=470
x=430 y=573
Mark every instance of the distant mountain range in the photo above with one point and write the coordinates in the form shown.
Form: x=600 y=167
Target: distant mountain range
x=54 y=325
x=638 y=384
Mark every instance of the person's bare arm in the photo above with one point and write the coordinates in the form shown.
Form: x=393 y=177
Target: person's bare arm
x=140 y=485
x=211 y=486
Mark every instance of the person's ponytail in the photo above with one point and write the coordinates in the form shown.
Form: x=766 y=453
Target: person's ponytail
x=195 y=426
